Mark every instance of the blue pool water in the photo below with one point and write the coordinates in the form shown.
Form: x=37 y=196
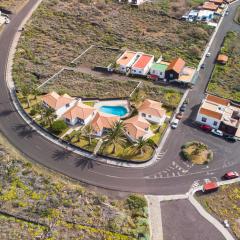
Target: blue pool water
x=115 y=110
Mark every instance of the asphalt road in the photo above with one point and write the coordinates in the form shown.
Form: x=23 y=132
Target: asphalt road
x=179 y=215
x=170 y=175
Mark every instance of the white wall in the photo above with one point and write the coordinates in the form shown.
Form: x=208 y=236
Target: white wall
x=75 y=120
x=153 y=119
x=63 y=109
x=142 y=71
x=159 y=73
x=209 y=121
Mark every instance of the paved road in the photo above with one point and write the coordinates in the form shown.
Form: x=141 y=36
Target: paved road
x=179 y=215
x=169 y=175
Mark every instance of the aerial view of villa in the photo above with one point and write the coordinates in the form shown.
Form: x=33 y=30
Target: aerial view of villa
x=120 y=119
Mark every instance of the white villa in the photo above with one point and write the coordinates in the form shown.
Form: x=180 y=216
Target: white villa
x=142 y=64
x=220 y=113
x=137 y=127
x=126 y=60
x=59 y=103
x=80 y=113
x=152 y=111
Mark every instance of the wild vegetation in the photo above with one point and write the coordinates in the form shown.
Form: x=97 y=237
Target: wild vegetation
x=225 y=78
x=60 y=30
x=35 y=202
x=237 y=16
x=224 y=204
x=12 y=5
x=196 y=152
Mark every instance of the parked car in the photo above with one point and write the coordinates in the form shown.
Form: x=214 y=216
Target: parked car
x=183 y=108
x=208 y=54
x=230 y=175
x=179 y=115
x=203 y=66
x=217 y=132
x=174 y=123
x=226 y=223
x=186 y=101
x=230 y=138
x=206 y=128
x=227 y=13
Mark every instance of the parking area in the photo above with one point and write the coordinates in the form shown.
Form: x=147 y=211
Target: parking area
x=181 y=221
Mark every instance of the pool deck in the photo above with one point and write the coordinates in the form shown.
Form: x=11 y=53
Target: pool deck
x=123 y=103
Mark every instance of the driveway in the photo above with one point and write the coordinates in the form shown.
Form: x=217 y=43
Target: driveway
x=181 y=221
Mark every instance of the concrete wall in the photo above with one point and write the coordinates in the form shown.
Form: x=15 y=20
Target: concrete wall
x=209 y=121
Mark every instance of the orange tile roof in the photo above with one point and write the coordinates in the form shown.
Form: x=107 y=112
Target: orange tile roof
x=56 y=101
x=126 y=58
x=217 y=1
x=79 y=110
x=210 y=113
x=143 y=61
x=210 y=6
x=177 y=65
x=103 y=120
x=136 y=126
x=218 y=100
x=222 y=58
x=153 y=108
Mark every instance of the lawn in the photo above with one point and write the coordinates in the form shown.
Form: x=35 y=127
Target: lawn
x=224 y=204
x=89 y=86
x=225 y=78
x=61 y=30
x=34 y=193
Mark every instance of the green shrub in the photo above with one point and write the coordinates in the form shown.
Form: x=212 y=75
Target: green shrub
x=33 y=112
x=58 y=126
x=136 y=202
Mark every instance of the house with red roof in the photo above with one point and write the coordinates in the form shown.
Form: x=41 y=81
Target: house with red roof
x=60 y=103
x=102 y=122
x=80 y=113
x=142 y=64
x=137 y=127
x=126 y=60
x=174 y=69
x=152 y=111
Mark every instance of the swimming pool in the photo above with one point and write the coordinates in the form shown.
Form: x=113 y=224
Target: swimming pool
x=115 y=110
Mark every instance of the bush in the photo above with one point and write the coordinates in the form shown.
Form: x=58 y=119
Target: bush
x=58 y=126
x=136 y=202
x=33 y=112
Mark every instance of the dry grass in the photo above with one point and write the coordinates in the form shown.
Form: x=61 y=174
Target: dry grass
x=60 y=30
x=225 y=204
x=12 y=5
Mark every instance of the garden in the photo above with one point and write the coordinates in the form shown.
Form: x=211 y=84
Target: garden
x=225 y=78
x=36 y=202
x=224 y=204
x=196 y=152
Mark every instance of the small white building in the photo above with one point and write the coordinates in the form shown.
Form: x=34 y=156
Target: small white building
x=125 y=62
x=205 y=15
x=142 y=64
x=152 y=111
x=59 y=103
x=79 y=114
x=133 y=2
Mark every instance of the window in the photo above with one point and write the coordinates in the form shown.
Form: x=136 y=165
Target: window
x=215 y=123
x=67 y=105
x=153 y=71
x=204 y=119
x=149 y=116
x=143 y=114
x=171 y=75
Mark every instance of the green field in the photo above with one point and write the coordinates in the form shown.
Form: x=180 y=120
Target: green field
x=225 y=78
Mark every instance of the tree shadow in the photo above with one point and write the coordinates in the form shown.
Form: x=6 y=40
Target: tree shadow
x=84 y=163
x=24 y=130
x=62 y=154
x=5 y=113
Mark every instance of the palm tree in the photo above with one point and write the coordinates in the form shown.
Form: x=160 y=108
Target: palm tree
x=79 y=134
x=141 y=145
x=39 y=108
x=88 y=131
x=26 y=91
x=49 y=113
x=116 y=135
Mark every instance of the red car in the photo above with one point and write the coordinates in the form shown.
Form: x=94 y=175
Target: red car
x=230 y=175
x=206 y=128
x=179 y=115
